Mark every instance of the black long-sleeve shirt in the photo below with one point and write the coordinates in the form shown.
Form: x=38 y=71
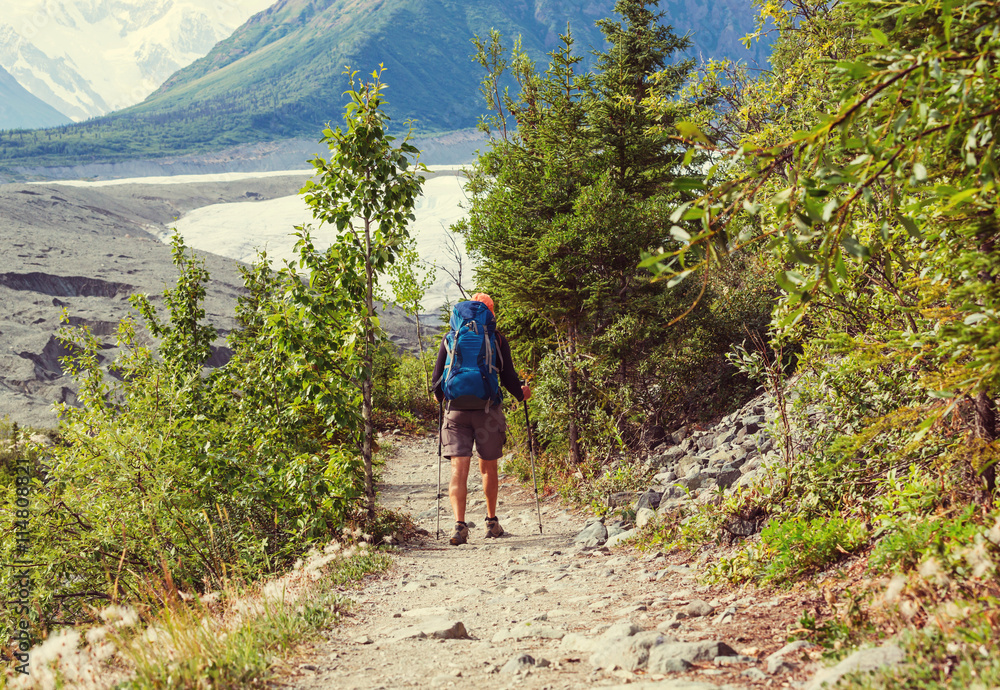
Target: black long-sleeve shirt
x=508 y=375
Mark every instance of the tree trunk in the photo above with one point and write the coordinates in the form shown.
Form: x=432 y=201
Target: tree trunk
x=575 y=457
x=986 y=409
x=366 y=384
x=986 y=429
x=420 y=349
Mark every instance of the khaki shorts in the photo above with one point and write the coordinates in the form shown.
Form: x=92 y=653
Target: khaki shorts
x=463 y=428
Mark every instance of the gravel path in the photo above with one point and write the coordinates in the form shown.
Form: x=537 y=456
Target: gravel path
x=537 y=595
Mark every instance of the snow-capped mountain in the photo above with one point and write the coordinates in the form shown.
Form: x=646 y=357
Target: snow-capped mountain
x=19 y=109
x=88 y=57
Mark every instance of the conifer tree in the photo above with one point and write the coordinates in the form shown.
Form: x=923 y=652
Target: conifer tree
x=566 y=198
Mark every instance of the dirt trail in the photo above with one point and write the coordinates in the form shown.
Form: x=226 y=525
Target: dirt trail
x=520 y=594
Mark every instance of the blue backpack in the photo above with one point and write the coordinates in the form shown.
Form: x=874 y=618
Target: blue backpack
x=471 y=378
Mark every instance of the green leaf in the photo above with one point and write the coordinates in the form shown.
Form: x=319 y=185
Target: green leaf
x=680 y=234
x=855 y=248
x=689 y=130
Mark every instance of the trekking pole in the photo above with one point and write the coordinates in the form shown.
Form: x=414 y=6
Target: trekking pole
x=531 y=450
x=440 y=424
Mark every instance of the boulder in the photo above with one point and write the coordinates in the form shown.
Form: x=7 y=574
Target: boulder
x=724 y=437
x=630 y=653
x=863 y=660
x=726 y=476
x=649 y=499
x=619 y=539
x=622 y=498
x=706 y=441
x=616 y=528
x=643 y=517
x=692 y=479
x=593 y=531
x=680 y=435
x=697 y=609
x=664 y=658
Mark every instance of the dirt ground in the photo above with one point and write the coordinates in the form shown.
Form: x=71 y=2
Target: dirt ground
x=520 y=593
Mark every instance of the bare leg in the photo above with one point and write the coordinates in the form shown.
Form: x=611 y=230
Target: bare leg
x=491 y=484
x=458 y=489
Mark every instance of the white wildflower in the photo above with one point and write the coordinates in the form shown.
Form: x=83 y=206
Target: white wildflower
x=931 y=570
x=95 y=635
x=894 y=589
x=120 y=616
x=978 y=558
x=908 y=609
x=994 y=534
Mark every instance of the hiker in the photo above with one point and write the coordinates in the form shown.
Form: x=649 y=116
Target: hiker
x=472 y=362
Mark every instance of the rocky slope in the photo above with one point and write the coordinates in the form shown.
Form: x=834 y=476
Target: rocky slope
x=81 y=251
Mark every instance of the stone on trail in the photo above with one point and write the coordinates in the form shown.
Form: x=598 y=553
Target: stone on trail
x=863 y=660
x=523 y=663
x=593 y=531
x=629 y=653
x=434 y=628
x=668 y=685
x=696 y=609
x=779 y=662
x=662 y=658
x=754 y=674
x=527 y=629
x=576 y=642
x=619 y=539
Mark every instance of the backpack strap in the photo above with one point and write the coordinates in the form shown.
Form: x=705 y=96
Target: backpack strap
x=449 y=362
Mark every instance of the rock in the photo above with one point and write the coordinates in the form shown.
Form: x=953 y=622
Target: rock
x=621 y=498
x=615 y=529
x=436 y=628
x=662 y=658
x=629 y=653
x=664 y=478
x=724 y=437
x=734 y=660
x=749 y=479
x=680 y=435
x=692 y=480
x=697 y=609
x=618 y=539
x=649 y=499
x=862 y=660
x=594 y=531
x=754 y=674
x=726 y=476
x=706 y=441
x=643 y=517
x=528 y=629
x=677 y=684
x=779 y=662
x=520 y=664
x=725 y=617
x=363 y=639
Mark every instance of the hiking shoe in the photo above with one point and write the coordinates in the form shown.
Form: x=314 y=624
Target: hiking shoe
x=493 y=528
x=461 y=534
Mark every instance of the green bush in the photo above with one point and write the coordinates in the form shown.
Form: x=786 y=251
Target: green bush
x=796 y=547
x=167 y=477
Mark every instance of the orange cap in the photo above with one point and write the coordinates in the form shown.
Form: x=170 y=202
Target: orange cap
x=485 y=299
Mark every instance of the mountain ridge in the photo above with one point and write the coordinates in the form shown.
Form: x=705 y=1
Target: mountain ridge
x=19 y=108
x=280 y=75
